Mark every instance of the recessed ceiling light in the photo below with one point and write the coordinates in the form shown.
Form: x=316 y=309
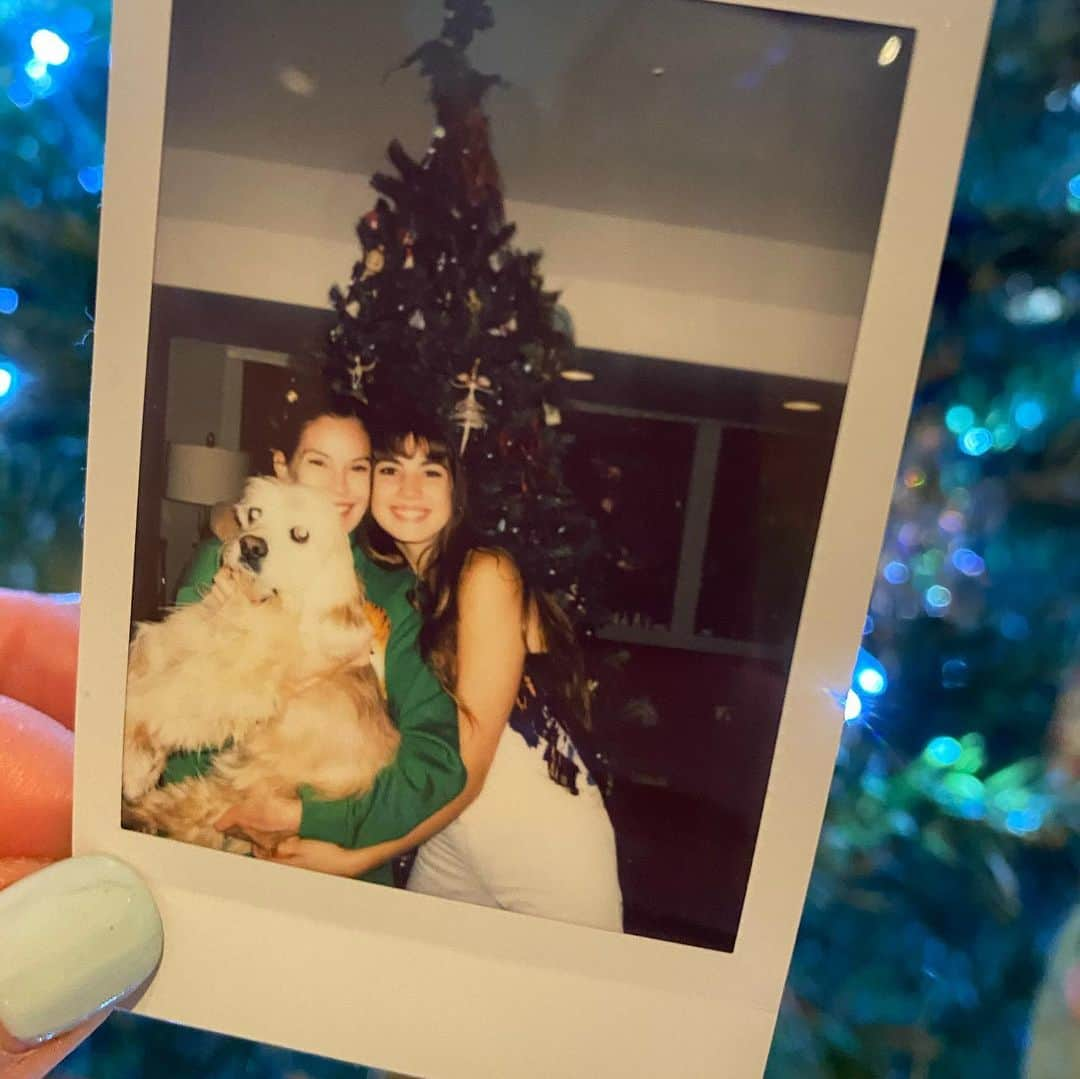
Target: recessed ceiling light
x=297 y=82
x=657 y=72
x=802 y=406
x=573 y=374
x=889 y=51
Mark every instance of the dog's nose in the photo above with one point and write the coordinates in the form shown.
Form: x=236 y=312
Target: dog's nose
x=253 y=550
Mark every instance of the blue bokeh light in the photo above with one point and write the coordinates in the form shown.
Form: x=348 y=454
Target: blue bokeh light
x=976 y=441
x=870 y=675
x=1074 y=186
x=90 y=178
x=9 y=301
x=968 y=562
x=1030 y=413
x=896 y=573
x=1024 y=821
x=1035 y=308
x=20 y=95
x=49 y=47
x=943 y=751
x=959 y=418
x=938 y=596
x=954 y=673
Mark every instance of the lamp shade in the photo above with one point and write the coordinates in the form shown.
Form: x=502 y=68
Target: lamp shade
x=204 y=474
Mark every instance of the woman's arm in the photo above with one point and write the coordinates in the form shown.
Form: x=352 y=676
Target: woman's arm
x=199 y=577
x=490 y=661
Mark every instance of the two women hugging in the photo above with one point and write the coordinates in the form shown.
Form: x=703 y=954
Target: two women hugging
x=488 y=800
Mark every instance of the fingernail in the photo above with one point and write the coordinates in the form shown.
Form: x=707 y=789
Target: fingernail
x=74 y=938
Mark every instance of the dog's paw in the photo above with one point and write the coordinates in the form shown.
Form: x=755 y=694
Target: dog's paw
x=142 y=770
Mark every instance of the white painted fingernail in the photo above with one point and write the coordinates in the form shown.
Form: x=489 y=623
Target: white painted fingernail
x=74 y=938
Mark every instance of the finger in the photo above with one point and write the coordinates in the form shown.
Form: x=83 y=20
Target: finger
x=40 y=1061
x=76 y=938
x=13 y=869
x=35 y=783
x=39 y=647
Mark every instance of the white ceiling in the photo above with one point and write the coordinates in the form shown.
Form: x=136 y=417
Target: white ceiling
x=761 y=123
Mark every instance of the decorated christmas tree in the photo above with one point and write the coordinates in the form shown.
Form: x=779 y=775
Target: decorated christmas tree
x=445 y=318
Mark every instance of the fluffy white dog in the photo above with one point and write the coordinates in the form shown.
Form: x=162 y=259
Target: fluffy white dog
x=278 y=670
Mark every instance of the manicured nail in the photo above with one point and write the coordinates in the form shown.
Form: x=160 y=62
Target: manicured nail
x=74 y=938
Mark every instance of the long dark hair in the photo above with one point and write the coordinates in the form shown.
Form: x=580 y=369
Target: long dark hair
x=436 y=593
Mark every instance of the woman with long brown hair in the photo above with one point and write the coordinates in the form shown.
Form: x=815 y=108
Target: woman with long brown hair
x=529 y=832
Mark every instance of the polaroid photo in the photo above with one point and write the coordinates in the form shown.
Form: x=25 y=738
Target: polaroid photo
x=741 y=208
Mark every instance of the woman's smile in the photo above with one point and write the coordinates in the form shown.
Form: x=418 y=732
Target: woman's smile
x=413 y=514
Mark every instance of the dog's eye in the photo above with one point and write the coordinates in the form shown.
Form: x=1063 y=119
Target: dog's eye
x=254 y=513
x=298 y=535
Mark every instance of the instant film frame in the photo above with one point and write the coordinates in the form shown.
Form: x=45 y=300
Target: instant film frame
x=421 y=985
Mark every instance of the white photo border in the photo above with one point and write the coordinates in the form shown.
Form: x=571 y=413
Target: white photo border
x=418 y=984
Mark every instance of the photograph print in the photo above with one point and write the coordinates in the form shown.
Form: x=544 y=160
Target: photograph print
x=496 y=359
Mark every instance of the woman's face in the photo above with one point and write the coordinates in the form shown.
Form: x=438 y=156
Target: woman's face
x=333 y=454
x=412 y=499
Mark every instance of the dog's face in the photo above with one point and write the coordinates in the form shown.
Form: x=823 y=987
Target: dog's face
x=290 y=539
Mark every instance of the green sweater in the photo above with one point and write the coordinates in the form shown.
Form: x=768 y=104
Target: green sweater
x=427 y=772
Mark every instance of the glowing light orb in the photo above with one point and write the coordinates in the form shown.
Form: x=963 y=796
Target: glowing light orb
x=968 y=562
x=954 y=673
x=942 y=751
x=938 y=596
x=7 y=379
x=90 y=177
x=976 y=441
x=1024 y=821
x=959 y=418
x=20 y=95
x=9 y=301
x=1057 y=100
x=1037 y=307
x=872 y=682
x=852 y=706
x=870 y=675
x=1005 y=436
x=951 y=521
x=1029 y=413
x=896 y=573
x=49 y=47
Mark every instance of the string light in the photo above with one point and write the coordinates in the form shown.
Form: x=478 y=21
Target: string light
x=852 y=706
x=8 y=376
x=49 y=47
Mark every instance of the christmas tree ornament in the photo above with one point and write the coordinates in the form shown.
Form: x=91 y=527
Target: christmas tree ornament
x=469 y=413
x=357 y=373
x=374 y=261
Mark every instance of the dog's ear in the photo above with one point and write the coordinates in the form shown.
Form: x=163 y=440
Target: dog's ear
x=223 y=521
x=345 y=633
